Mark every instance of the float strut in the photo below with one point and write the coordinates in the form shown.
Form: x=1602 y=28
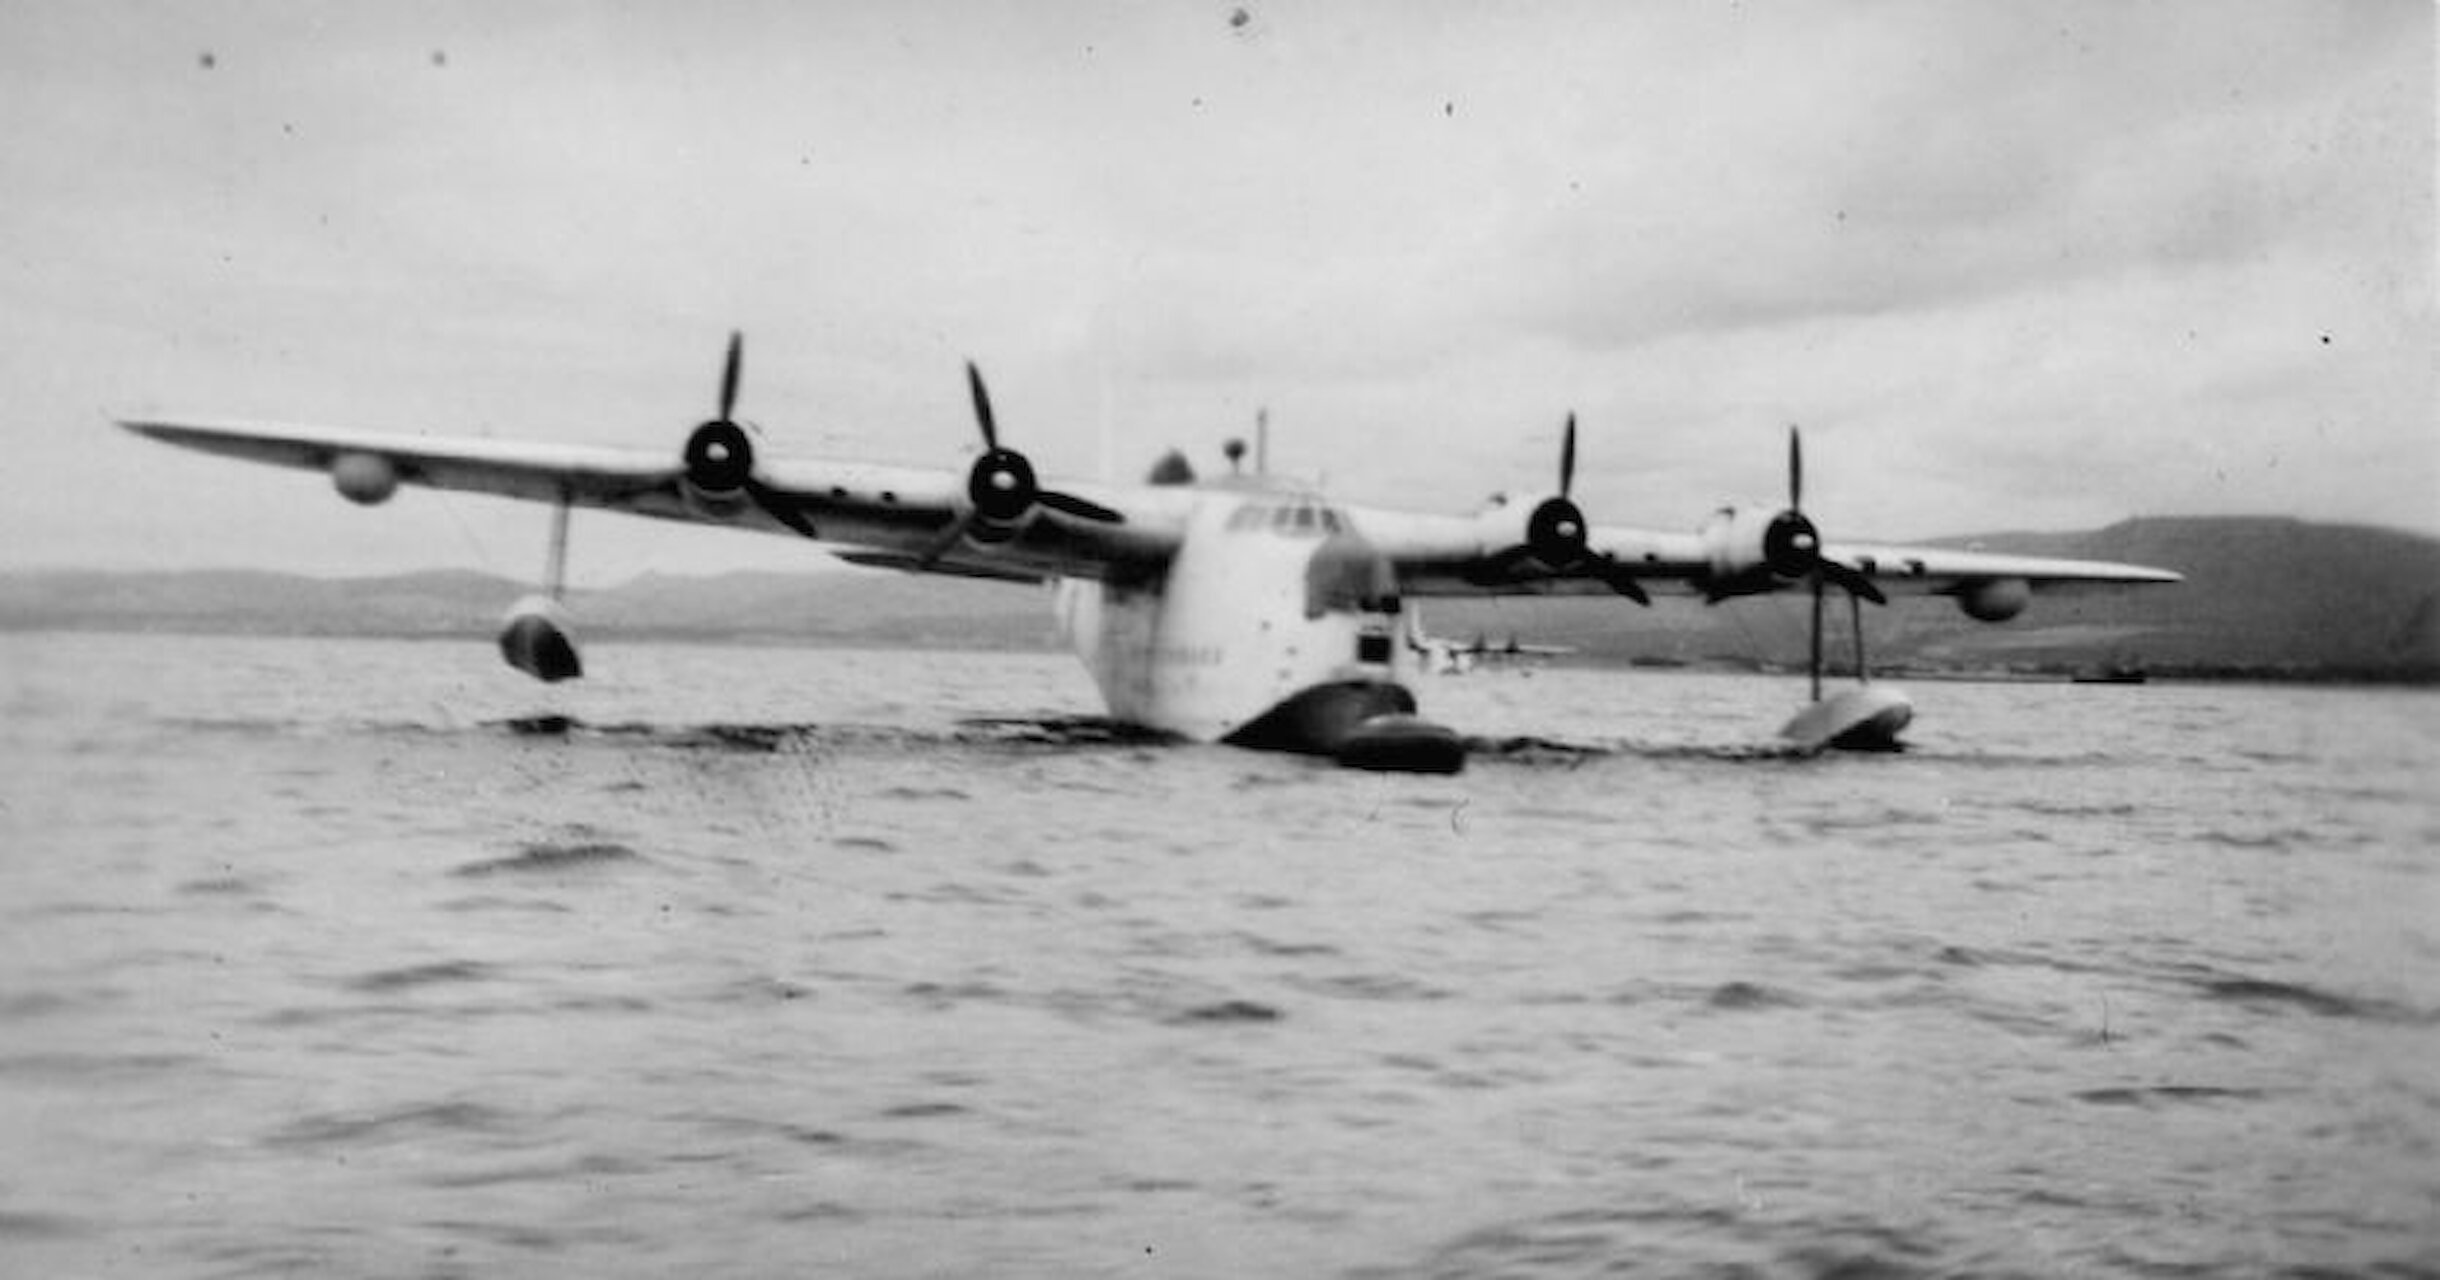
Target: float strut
x=536 y=639
x=1814 y=666
x=1855 y=610
x=555 y=571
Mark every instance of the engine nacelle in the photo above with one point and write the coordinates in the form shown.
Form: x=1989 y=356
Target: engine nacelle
x=1740 y=544
x=719 y=466
x=1994 y=599
x=1003 y=491
x=364 y=478
x=1732 y=540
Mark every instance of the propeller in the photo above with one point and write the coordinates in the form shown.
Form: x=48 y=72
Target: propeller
x=1557 y=536
x=1001 y=486
x=1792 y=545
x=720 y=451
x=720 y=455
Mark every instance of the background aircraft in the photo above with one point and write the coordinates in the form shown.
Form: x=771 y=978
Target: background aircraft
x=1245 y=609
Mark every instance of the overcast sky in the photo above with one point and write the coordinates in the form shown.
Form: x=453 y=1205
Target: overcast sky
x=2012 y=266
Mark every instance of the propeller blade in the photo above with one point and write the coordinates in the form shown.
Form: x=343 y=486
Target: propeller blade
x=729 y=374
x=1796 y=470
x=948 y=538
x=1852 y=581
x=781 y=507
x=982 y=406
x=1620 y=581
x=1567 y=457
x=1082 y=509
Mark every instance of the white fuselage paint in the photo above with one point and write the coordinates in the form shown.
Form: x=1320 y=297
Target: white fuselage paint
x=1231 y=628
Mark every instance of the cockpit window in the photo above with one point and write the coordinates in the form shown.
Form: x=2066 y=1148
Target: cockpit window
x=1297 y=519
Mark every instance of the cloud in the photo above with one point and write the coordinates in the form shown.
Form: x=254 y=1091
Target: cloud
x=2041 y=264
x=1985 y=150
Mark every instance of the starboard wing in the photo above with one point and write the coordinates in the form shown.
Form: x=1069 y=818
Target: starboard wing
x=894 y=516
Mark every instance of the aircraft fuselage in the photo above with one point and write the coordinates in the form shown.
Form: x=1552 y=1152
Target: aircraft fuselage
x=1275 y=624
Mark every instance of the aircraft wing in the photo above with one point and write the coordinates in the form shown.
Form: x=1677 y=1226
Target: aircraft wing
x=1485 y=556
x=892 y=516
x=1939 y=571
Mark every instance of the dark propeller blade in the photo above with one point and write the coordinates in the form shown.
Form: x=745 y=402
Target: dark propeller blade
x=729 y=374
x=982 y=406
x=1796 y=470
x=948 y=538
x=1081 y=508
x=1567 y=457
x=1620 y=581
x=1852 y=581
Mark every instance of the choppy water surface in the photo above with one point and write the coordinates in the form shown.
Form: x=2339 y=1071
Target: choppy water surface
x=802 y=962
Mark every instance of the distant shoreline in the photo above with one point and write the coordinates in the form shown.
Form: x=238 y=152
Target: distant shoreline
x=931 y=642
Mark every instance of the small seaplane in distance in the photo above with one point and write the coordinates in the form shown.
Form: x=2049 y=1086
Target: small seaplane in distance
x=1441 y=656
x=1244 y=609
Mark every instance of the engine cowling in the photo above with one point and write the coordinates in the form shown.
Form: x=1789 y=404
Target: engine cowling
x=1556 y=532
x=1003 y=491
x=719 y=466
x=1783 y=544
x=1994 y=599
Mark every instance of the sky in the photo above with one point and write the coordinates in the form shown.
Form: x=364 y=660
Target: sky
x=2011 y=266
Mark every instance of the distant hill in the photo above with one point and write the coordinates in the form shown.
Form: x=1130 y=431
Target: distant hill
x=2264 y=598
x=861 y=607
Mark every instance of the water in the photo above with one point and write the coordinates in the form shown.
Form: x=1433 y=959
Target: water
x=805 y=962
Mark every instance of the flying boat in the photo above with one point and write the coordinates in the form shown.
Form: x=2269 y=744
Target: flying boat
x=1442 y=656
x=1244 y=608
